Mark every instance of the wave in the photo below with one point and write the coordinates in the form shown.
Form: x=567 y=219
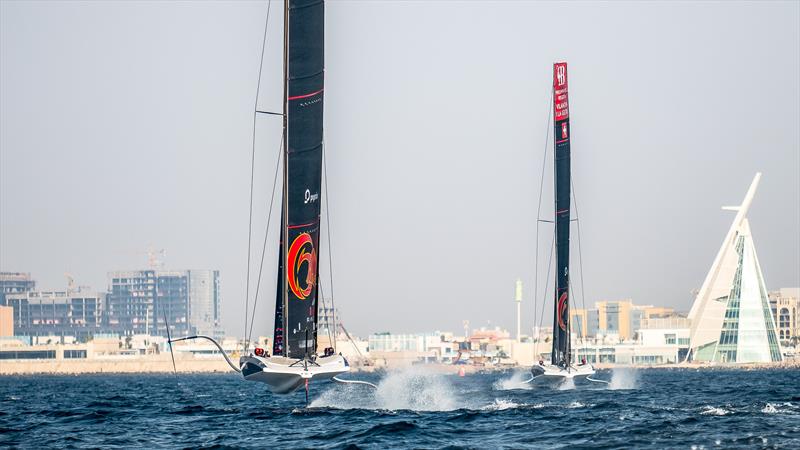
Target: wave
x=782 y=408
x=714 y=411
x=501 y=405
x=576 y=405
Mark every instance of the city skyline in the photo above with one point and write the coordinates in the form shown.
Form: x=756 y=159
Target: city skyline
x=131 y=139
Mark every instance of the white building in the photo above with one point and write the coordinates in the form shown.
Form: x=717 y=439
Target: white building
x=731 y=318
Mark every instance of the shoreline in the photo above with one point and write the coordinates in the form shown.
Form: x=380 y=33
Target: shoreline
x=161 y=365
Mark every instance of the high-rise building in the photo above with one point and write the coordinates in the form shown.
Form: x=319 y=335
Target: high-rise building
x=144 y=301
x=205 y=302
x=731 y=317
x=15 y=283
x=70 y=313
x=785 y=306
x=131 y=301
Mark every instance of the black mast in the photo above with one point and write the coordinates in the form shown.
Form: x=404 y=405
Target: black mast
x=561 y=335
x=296 y=302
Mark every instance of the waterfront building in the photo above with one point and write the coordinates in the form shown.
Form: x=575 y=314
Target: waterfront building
x=57 y=315
x=388 y=342
x=406 y=349
x=731 y=316
x=15 y=283
x=6 y=321
x=620 y=318
x=785 y=306
x=627 y=354
x=140 y=301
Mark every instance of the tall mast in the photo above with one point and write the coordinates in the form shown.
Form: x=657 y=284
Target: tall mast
x=285 y=209
x=279 y=336
x=561 y=329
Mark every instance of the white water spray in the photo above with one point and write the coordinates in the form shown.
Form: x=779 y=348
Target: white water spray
x=567 y=385
x=517 y=380
x=624 y=379
x=413 y=388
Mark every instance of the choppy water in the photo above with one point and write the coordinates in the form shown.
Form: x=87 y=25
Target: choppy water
x=412 y=408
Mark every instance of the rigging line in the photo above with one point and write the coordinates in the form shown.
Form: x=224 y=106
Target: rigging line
x=221 y=350
x=547 y=283
x=580 y=253
x=330 y=251
x=266 y=235
x=538 y=212
x=252 y=177
x=324 y=307
x=361 y=355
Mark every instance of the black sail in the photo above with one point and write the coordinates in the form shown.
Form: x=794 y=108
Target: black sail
x=561 y=334
x=304 y=68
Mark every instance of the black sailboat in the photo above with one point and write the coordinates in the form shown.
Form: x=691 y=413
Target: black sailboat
x=561 y=364
x=294 y=361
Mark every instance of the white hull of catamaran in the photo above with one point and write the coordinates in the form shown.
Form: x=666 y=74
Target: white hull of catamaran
x=553 y=375
x=285 y=375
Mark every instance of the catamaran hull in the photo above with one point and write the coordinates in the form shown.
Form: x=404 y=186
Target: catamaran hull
x=285 y=375
x=549 y=375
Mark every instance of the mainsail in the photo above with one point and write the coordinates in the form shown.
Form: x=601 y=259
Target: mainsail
x=561 y=329
x=296 y=302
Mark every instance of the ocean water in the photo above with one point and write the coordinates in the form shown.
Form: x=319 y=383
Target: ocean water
x=413 y=408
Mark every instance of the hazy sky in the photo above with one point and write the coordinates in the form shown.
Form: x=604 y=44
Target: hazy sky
x=129 y=124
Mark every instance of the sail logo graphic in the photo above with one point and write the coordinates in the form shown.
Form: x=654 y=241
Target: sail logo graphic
x=564 y=130
x=308 y=197
x=301 y=253
x=562 y=311
x=561 y=74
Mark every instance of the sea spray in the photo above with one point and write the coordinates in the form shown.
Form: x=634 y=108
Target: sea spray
x=567 y=385
x=623 y=379
x=415 y=388
x=517 y=380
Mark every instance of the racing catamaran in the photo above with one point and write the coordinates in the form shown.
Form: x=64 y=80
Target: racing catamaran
x=294 y=360
x=561 y=366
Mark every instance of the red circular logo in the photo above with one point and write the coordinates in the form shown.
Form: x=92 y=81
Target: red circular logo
x=562 y=310
x=301 y=253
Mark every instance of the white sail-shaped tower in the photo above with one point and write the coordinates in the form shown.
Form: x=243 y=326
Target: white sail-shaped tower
x=731 y=319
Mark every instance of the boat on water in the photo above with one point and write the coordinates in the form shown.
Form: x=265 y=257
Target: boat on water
x=294 y=360
x=562 y=367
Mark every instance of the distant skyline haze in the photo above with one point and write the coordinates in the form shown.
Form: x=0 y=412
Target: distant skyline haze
x=129 y=125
